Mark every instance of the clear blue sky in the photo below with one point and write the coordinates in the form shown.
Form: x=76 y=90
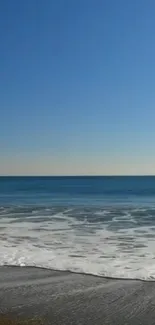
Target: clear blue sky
x=77 y=87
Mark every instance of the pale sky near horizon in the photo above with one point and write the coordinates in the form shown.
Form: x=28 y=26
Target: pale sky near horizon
x=77 y=87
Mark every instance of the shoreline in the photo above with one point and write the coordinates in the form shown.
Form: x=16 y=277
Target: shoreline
x=76 y=272
x=64 y=297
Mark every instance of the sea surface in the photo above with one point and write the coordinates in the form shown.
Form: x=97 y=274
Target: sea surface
x=98 y=225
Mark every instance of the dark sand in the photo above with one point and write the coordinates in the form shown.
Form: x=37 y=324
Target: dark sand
x=65 y=298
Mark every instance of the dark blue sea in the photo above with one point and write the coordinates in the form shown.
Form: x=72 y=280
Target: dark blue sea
x=98 y=225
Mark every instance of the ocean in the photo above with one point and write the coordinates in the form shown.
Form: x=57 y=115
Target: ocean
x=97 y=225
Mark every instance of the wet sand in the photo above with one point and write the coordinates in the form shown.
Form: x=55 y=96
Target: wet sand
x=64 y=298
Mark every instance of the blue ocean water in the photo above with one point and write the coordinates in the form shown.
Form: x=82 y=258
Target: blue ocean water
x=98 y=225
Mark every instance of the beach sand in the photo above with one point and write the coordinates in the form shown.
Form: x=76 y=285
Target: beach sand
x=64 y=298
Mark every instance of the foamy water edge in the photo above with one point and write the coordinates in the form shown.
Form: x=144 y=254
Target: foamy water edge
x=118 y=248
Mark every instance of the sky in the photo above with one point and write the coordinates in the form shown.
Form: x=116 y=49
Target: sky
x=77 y=87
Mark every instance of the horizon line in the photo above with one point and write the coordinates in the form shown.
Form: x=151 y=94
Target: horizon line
x=102 y=175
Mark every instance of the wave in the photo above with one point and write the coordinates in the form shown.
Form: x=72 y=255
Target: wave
x=111 y=242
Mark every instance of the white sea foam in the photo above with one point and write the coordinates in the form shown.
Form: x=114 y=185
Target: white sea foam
x=115 y=246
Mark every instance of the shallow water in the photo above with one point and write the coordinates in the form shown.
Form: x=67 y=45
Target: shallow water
x=99 y=225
